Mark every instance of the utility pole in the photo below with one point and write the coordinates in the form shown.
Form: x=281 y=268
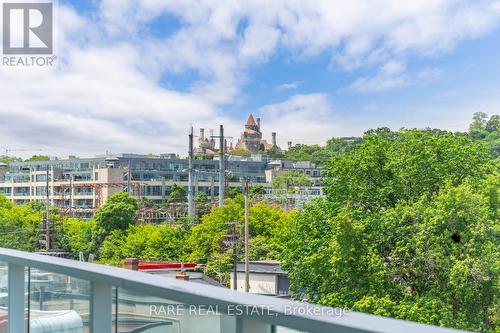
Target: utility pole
x=71 y=194
x=129 y=178
x=232 y=240
x=190 y=176
x=247 y=248
x=222 y=167
x=47 y=212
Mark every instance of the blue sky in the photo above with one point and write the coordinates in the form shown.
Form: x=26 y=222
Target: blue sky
x=133 y=75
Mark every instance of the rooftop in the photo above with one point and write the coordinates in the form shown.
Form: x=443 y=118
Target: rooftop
x=267 y=267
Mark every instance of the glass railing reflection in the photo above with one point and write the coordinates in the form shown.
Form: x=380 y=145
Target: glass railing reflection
x=139 y=313
x=4 y=293
x=58 y=303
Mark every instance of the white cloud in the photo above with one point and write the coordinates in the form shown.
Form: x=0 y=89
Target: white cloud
x=307 y=119
x=390 y=76
x=287 y=86
x=393 y=75
x=232 y=36
x=429 y=74
x=106 y=94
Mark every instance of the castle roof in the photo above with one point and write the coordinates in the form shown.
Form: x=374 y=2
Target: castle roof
x=250 y=121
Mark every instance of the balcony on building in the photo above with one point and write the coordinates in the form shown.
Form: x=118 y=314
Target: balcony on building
x=42 y=294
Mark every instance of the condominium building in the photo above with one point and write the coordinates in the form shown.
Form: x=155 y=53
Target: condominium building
x=86 y=183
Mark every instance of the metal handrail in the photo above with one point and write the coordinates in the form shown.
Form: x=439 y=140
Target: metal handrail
x=279 y=310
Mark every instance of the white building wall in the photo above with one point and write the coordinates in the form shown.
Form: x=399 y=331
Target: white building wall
x=260 y=283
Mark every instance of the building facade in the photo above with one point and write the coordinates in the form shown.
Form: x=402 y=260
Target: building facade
x=86 y=183
x=265 y=278
x=251 y=138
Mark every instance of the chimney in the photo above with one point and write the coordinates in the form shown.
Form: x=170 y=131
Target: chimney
x=131 y=263
x=289 y=145
x=212 y=140
x=202 y=134
x=274 y=139
x=258 y=123
x=225 y=145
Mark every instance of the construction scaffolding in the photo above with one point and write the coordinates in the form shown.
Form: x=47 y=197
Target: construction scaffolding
x=171 y=213
x=66 y=193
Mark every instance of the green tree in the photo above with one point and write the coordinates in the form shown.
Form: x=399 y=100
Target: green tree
x=478 y=125
x=493 y=124
x=177 y=194
x=240 y=152
x=19 y=226
x=146 y=202
x=487 y=130
x=382 y=171
x=201 y=198
x=37 y=158
x=256 y=190
x=77 y=236
x=266 y=223
x=301 y=152
x=118 y=213
x=9 y=159
x=409 y=229
x=291 y=179
x=233 y=192
x=146 y=242
x=274 y=152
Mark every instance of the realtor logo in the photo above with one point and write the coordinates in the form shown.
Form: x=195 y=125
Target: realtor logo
x=27 y=28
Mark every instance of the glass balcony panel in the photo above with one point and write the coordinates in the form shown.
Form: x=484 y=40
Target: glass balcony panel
x=4 y=293
x=58 y=303
x=149 y=314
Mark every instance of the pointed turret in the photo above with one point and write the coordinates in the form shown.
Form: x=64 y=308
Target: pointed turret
x=250 y=121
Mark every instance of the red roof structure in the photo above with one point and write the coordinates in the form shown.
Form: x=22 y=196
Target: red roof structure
x=250 y=121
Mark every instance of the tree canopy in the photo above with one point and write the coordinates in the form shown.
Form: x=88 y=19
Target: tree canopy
x=409 y=229
x=19 y=226
x=291 y=179
x=487 y=130
x=116 y=214
x=177 y=194
x=266 y=223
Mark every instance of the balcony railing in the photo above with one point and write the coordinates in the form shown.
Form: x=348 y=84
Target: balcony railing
x=75 y=297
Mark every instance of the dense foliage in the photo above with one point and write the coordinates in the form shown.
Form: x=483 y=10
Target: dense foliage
x=487 y=130
x=8 y=159
x=317 y=154
x=409 y=229
x=177 y=194
x=19 y=226
x=146 y=242
x=206 y=240
x=291 y=179
x=117 y=214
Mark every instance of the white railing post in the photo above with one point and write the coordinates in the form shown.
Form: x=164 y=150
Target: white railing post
x=101 y=308
x=16 y=298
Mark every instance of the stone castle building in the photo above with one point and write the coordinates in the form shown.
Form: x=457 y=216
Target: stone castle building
x=206 y=145
x=251 y=138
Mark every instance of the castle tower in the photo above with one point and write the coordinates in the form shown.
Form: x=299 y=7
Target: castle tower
x=251 y=136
